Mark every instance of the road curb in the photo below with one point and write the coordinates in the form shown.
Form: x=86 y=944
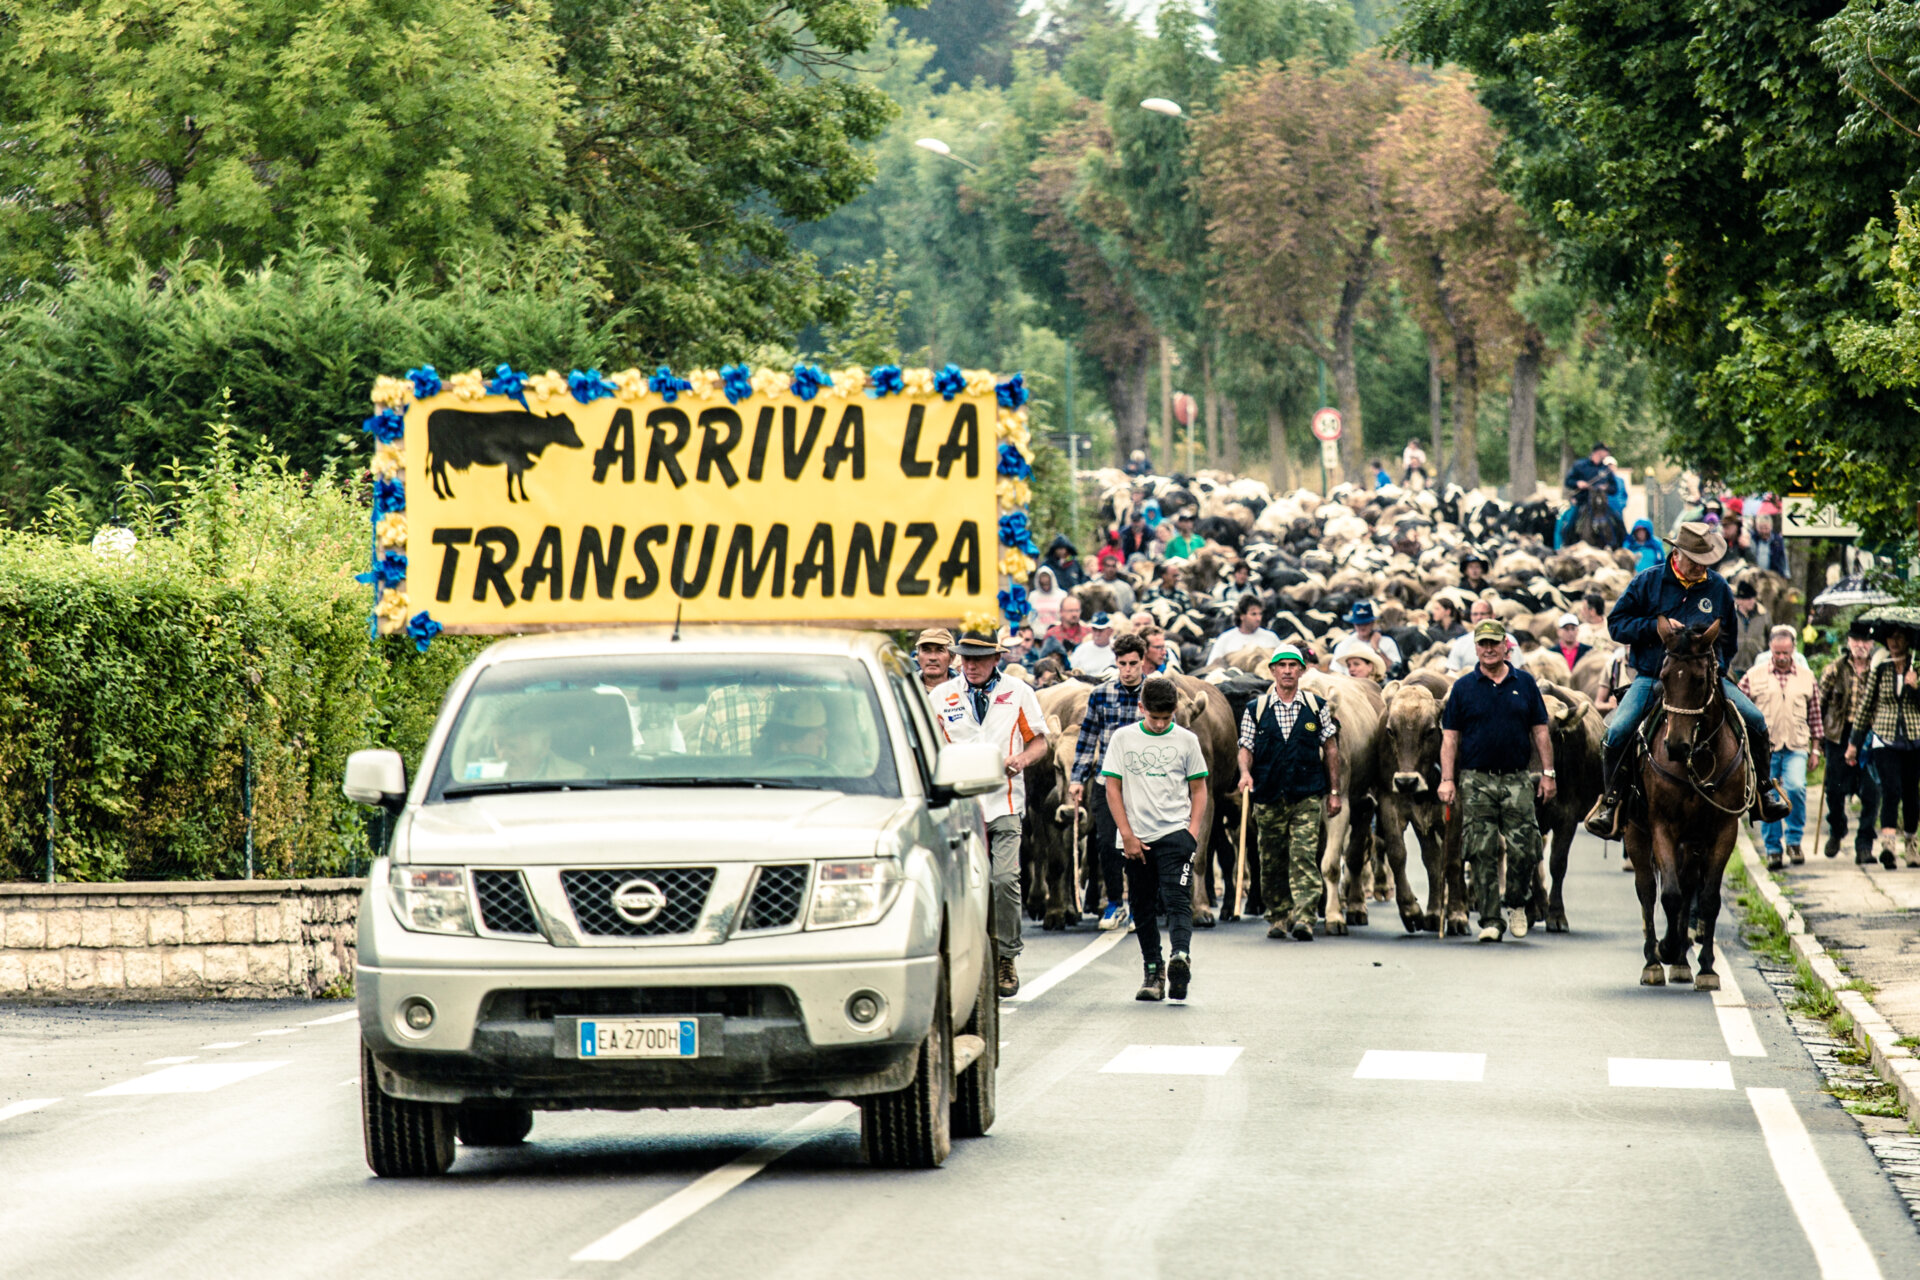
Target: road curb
x=1894 y=1063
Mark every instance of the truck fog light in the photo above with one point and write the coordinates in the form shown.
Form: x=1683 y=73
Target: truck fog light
x=865 y=1007
x=417 y=1013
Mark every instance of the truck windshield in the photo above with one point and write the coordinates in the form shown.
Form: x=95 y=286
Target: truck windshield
x=660 y=720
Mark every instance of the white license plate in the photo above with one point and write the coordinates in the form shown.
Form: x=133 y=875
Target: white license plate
x=639 y=1038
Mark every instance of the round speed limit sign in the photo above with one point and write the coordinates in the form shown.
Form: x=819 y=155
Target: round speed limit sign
x=1326 y=424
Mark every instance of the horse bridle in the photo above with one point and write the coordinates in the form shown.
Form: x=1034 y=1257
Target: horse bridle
x=1702 y=742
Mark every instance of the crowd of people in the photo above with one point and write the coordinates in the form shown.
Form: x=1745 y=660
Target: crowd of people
x=1168 y=588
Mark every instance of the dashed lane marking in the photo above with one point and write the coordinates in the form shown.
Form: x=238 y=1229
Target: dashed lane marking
x=224 y=1044
x=1173 y=1060
x=169 y=1062
x=332 y=1018
x=1420 y=1064
x=1068 y=967
x=277 y=1031
x=25 y=1105
x=202 y=1077
x=623 y=1240
x=1668 y=1073
x=1837 y=1243
x=1736 y=1020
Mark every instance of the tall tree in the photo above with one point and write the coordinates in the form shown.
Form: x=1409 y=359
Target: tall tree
x=1459 y=246
x=1291 y=188
x=420 y=130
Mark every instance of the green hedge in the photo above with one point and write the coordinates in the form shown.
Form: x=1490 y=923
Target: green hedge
x=138 y=685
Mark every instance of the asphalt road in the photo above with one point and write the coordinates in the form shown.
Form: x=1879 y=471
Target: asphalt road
x=1584 y=1126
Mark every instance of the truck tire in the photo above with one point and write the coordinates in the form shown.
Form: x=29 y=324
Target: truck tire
x=912 y=1128
x=974 y=1089
x=494 y=1126
x=403 y=1139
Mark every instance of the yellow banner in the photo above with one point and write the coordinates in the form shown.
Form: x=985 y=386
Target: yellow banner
x=556 y=513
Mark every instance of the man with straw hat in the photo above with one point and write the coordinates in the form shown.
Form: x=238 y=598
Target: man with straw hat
x=982 y=705
x=1290 y=769
x=1687 y=592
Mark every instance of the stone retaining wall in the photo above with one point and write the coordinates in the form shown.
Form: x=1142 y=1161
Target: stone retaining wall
x=171 y=940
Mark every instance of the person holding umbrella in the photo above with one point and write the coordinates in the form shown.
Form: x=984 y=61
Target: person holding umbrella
x=1888 y=706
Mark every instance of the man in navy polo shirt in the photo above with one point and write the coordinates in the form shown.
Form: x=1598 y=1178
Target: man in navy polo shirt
x=1493 y=714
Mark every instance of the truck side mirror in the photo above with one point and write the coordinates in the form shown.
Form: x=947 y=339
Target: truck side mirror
x=968 y=769
x=377 y=777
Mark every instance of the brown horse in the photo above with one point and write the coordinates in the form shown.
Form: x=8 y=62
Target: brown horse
x=1696 y=786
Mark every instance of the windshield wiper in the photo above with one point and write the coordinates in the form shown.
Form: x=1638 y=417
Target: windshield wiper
x=771 y=784
x=526 y=784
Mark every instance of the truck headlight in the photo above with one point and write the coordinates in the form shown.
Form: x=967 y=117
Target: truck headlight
x=848 y=893
x=431 y=899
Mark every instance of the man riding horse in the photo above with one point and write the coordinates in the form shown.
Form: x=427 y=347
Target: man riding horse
x=1688 y=593
x=1590 y=517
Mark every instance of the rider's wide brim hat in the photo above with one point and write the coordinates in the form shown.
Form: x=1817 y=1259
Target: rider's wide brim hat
x=1699 y=542
x=979 y=644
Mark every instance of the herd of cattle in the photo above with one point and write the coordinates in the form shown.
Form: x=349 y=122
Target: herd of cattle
x=1311 y=558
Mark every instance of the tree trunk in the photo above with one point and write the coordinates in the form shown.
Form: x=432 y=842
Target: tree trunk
x=1466 y=383
x=1437 y=448
x=1230 y=433
x=1127 y=396
x=1279 y=461
x=1523 y=459
x=1212 y=405
x=1346 y=379
x=1165 y=463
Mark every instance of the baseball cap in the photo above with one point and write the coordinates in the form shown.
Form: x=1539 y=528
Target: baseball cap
x=935 y=635
x=1489 y=629
x=1287 y=653
x=1567 y=620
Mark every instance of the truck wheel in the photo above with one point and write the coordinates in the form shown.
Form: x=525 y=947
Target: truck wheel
x=494 y=1126
x=911 y=1128
x=974 y=1089
x=403 y=1139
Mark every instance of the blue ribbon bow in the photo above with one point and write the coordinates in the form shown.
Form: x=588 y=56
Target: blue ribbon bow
x=1015 y=531
x=736 y=381
x=386 y=426
x=423 y=629
x=589 y=386
x=1012 y=393
x=1013 y=605
x=389 y=495
x=664 y=384
x=505 y=382
x=808 y=379
x=1012 y=464
x=886 y=381
x=425 y=380
x=389 y=571
x=949 y=382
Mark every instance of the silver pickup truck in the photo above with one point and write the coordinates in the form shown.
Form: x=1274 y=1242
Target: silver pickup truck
x=725 y=869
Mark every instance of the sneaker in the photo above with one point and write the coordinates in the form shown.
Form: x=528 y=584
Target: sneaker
x=1303 y=931
x=1179 y=973
x=1114 y=917
x=1278 y=929
x=1517 y=921
x=1007 y=978
x=1153 y=986
x=1489 y=933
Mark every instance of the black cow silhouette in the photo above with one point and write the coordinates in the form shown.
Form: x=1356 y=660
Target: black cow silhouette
x=460 y=438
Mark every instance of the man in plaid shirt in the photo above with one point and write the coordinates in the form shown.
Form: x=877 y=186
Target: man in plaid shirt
x=1784 y=690
x=1110 y=707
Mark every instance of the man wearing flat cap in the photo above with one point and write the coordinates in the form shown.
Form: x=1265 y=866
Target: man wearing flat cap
x=1687 y=592
x=933 y=655
x=982 y=705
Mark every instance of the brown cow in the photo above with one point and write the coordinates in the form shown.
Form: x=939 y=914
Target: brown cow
x=1576 y=730
x=1357 y=707
x=1409 y=770
x=1047 y=846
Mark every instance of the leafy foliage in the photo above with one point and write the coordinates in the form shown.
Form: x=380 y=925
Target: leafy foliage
x=111 y=371
x=137 y=686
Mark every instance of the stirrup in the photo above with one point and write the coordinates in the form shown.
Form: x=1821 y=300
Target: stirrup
x=1611 y=829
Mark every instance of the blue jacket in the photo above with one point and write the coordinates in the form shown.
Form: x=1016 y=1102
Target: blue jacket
x=1657 y=594
x=1596 y=476
x=1651 y=554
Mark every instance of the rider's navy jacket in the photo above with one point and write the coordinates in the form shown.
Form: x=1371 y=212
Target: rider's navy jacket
x=1597 y=475
x=1656 y=594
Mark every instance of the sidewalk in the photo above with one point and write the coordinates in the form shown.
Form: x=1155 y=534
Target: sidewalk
x=1868 y=917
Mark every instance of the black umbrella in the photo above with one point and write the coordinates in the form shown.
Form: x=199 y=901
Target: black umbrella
x=1891 y=617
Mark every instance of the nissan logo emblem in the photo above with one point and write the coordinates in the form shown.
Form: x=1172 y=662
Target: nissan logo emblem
x=639 y=901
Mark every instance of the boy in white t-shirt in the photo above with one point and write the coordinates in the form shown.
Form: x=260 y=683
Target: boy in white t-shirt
x=984 y=706
x=1156 y=779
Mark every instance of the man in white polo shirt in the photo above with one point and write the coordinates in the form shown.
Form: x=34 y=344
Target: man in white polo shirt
x=981 y=705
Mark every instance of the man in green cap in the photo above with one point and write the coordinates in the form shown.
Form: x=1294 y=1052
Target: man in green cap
x=1494 y=713
x=1290 y=767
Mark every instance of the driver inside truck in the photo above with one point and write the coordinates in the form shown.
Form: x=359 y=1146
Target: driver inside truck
x=796 y=726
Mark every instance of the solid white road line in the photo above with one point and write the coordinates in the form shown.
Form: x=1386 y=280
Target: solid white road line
x=1411 y=1064
x=1736 y=1020
x=201 y=1077
x=169 y=1062
x=623 y=1240
x=1837 y=1243
x=1067 y=968
x=278 y=1031
x=1172 y=1060
x=332 y=1018
x=1668 y=1073
x=25 y=1105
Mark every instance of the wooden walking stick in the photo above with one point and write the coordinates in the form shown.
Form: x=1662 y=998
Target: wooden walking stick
x=1073 y=885
x=1240 y=859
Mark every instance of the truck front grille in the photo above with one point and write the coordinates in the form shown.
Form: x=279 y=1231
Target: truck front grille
x=503 y=902
x=590 y=892
x=778 y=894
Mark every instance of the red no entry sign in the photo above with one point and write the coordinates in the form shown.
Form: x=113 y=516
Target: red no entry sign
x=1326 y=424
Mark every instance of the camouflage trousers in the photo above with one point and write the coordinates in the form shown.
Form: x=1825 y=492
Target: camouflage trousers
x=1497 y=809
x=1290 y=857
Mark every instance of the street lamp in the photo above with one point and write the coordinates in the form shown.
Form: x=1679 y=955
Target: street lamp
x=1161 y=106
x=941 y=149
